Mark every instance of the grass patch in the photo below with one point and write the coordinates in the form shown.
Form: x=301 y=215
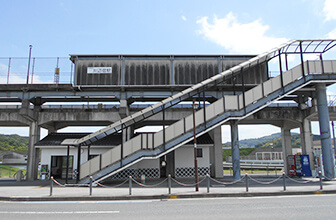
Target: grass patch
x=242 y=152
x=8 y=171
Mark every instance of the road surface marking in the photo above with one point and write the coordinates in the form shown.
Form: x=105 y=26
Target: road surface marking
x=70 y=212
x=81 y=202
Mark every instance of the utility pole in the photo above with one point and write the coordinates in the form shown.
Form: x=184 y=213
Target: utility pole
x=195 y=147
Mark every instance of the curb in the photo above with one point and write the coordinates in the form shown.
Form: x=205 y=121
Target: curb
x=163 y=197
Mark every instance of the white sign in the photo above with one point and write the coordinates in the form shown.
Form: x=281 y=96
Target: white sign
x=94 y=70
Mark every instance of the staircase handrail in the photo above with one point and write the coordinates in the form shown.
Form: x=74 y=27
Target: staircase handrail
x=193 y=90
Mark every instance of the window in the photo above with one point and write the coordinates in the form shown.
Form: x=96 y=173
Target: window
x=93 y=156
x=199 y=152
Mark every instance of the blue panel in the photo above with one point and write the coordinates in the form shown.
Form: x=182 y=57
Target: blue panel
x=306 y=171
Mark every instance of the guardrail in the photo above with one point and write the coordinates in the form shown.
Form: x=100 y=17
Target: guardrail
x=263 y=162
x=251 y=166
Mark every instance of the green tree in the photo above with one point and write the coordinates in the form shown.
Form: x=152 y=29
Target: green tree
x=13 y=143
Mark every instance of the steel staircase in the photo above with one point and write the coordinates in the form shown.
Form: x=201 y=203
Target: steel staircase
x=229 y=107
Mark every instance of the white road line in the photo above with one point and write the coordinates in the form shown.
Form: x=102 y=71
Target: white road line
x=81 y=202
x=249 y=198
x=286 y=196
x=70 y=212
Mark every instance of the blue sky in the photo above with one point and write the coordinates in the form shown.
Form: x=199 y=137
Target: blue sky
x=60 y=28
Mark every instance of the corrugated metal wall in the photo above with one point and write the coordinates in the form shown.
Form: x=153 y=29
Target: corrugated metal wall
x=147 y=72
x=160 y=70
x=188 y=72
x=83 y=78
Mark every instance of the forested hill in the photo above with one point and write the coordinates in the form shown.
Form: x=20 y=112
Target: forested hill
x=13 y=143
x=266 y=140
x=19 y=144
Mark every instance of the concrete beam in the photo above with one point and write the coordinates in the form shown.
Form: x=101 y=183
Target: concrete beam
x=57 y=118
x=73 y=117
x=41 y=93
x=278 y=113
x=12 y=118
x=26 y=112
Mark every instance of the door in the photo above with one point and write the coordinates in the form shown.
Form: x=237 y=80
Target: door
x=59 y=167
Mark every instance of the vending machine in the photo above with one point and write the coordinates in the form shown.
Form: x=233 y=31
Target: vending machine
x=306 y=171
x=291 y=165
x=298 y=165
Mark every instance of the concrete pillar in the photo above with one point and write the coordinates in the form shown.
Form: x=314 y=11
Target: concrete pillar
x=34 y=136
x=323 y=113
x=37 y=161
x=307 y=141
x=123 y=109
x=170 y=159
x=286 y=140
x=235 y=150
x=124 y=112
x=216 y=153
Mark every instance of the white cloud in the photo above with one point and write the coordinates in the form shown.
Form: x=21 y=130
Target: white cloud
x=23 y=131
x=249 y=131
x=15 y=78
x=37 y=80
x=329 y=10
x=183 y=18
x=237 y=37
x=3 y=67
x=330 y=93
x=331 y=34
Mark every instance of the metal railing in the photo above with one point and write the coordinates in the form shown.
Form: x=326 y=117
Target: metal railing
x=208 y=182
x=14 y=70
x=204 y=117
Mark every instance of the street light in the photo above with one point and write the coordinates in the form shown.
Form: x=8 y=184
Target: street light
x=195 y=146
x=271 y=144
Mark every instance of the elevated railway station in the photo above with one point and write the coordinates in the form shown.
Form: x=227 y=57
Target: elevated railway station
x=162 y=90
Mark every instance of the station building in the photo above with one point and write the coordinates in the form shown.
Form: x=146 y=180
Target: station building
x=162 y=90
x=54 y=158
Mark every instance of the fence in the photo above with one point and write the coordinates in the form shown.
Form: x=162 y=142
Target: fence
x=209 y=182
x=42 y=70
x=268 y=171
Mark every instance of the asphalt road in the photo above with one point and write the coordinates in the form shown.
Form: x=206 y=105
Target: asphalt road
x=281 y=207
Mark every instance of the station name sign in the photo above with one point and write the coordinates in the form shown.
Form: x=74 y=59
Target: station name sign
x=99 y=70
